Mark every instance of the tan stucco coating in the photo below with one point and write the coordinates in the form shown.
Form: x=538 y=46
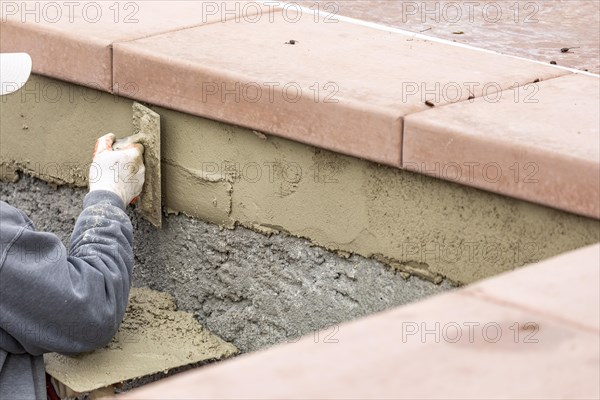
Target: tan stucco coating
x=153 y=338
x=230 y=175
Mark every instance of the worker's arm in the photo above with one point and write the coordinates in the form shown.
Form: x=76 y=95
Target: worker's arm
x=71 y=303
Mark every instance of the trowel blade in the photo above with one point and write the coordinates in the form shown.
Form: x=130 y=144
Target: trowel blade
x=147 y=122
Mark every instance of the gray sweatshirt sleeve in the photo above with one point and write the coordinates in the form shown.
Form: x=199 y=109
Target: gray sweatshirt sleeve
x=52 y=301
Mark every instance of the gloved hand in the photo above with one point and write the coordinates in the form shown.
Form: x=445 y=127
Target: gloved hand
x=118 y=171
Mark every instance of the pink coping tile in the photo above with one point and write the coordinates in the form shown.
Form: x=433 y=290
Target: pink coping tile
x=539 y=143
x=72 y=40
x=453 y=345
x=341 y=86
x=563 y=287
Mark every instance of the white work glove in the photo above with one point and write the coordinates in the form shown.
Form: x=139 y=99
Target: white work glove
x=118 y=171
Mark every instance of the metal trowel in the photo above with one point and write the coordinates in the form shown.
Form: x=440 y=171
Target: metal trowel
x=146 y=131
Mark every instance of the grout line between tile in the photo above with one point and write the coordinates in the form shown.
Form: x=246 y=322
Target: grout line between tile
x=401 y=121
x=509 y=304
x=112 y=69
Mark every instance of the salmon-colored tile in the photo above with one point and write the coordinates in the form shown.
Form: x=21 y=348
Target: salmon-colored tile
x=451 y=346
x=72 y=40
x=341 y=86
x=82 y=60
x=564 y=287
x=540 y=143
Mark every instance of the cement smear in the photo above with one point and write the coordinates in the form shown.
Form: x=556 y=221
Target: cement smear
x=250 y=289
x=147 y=124
x=232 y=176
x=154 y=337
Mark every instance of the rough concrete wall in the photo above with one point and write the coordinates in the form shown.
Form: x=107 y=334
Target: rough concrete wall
x=250 y=289
x=230 y=175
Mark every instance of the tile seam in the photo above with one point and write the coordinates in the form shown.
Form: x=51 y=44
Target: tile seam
x=401 y=150
x=486 y=298
x=112 y=69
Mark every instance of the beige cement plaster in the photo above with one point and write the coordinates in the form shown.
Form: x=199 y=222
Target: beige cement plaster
x=230 y=175
x=154 y=337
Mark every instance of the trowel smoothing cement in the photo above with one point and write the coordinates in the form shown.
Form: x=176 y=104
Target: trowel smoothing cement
x=146 y=131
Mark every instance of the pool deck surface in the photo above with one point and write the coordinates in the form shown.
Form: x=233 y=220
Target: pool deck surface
x=532 y=29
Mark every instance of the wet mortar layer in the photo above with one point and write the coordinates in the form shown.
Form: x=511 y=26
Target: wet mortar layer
x=153 y=337
x=250 y=289
x=234 y=176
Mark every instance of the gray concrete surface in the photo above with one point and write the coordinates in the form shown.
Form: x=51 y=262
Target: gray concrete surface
x=248 y=288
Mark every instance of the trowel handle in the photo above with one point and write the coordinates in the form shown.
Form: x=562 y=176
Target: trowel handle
x=120 y=144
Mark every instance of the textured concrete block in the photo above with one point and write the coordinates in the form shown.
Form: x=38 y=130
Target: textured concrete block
x=230 y=175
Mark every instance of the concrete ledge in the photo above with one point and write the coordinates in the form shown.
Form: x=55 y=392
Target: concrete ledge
x=460 y=345
x=233 y=176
